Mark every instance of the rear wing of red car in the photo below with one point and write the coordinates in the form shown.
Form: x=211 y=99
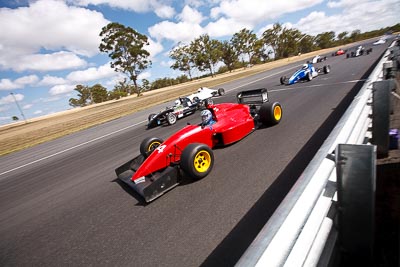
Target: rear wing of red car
x=253 y=97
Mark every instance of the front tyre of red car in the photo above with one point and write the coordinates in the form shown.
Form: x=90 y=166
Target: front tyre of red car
x=270 y=113
x=149 y=144
x=197 y=160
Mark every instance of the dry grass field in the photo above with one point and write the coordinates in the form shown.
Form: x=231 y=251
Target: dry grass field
x=20 y=135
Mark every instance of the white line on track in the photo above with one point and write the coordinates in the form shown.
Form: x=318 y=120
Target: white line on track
x=73 y=147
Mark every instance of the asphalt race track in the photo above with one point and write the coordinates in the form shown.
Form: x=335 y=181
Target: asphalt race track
x=61 y=204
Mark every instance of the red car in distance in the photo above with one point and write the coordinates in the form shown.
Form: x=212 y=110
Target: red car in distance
x=339 y=52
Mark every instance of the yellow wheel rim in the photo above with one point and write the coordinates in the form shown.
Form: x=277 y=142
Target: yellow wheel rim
x=202 y=161
x=153 y=145
x=277 y=113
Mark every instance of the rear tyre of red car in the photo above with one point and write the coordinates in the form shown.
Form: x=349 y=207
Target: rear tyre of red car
x=149 y=144
x=270 y=113
x=197 y=160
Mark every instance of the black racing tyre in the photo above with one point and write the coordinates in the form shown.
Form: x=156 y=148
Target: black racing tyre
x=171 y=118
x=347 y=55
x=270 y=113
x=197 y=160
x=283 y=80
x=221 y=91
x=327 y=69
x=208 y=101
x=148 y=145
x=151 y=116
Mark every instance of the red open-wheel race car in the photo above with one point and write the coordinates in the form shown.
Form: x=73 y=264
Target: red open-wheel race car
x=159 y=166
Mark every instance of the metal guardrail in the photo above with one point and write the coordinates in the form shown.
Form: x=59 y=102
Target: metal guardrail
x=300 y=232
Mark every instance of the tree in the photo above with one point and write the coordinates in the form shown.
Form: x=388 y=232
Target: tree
x=145 y=85
x=229 y=55
x=84 y=97
x=124 y=46
x=98 y=94
x=244 y=42
x=289 y=42
x=206 y=52
x=341 y=37
x=15 y=118
x=325 y=39
x=261 y=52
x=121 y=89
x=89 y=95
x=271 y=38
x=306 y=44
x=355 y=35
x=183 y=59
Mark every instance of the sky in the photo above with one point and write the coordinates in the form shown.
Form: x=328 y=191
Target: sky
x=47 y=47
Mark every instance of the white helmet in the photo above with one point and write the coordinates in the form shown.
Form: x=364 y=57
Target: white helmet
x=206 y=116
x=305 y=66
x=177 y=102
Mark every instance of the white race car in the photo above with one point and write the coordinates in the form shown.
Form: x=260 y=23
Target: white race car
x=318 y=59
x=380 y=41
x=204 y=93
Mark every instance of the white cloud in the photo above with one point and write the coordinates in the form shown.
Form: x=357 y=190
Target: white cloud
x=61 y=89
x=38 y=112
x=27 y=106
x=252 y=12
x=140 y=6
x=11 y=98
x=7 y=84
x=27 y=80
x=91 y=74
x=164 y=12
x=49 y=62
x=154 y=48
x=144 y=75
x=47 y=26
x=177 y=32
x=361 y=16
x=225 y=27
x=51 y=80
x=190 y=15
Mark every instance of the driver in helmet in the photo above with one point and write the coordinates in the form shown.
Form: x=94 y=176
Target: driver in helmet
x=206 y=118
x=305 y=66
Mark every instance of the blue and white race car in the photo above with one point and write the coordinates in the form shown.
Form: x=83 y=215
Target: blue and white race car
x=306 y=73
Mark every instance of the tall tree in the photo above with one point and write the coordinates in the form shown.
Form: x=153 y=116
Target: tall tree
x=84 y=97
x=98 y=93
x=271 y=38
x=125 y=47
x=289 y=42
x=121 y=89
x=341 y=37
x=183 y=59
x=207 y=53
x=229 y=55
x=306 y=44
x=244 y=42
x=325 y=39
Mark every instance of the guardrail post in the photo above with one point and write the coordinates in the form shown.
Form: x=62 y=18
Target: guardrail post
x=381 y=116
x=356 y=175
